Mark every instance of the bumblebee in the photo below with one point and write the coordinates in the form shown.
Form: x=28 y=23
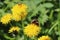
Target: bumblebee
x=35 y=21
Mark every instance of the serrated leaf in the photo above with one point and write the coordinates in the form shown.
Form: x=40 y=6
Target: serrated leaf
x=43 y=18
x=41 y=9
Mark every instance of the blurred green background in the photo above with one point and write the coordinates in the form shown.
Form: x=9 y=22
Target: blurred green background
x=47 y=12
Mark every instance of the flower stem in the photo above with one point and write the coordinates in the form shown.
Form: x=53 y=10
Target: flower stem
x=10 y=24
x=53 y=27
x=6 y=8
x=22 y=24
x=51 y=14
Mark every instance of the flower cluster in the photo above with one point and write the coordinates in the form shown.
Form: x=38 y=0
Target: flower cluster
x=19 y=12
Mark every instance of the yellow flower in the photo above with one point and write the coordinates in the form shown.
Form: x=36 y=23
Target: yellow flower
x=6 y=18
x=32 y=30
x=19 y=11
x=44 y=38
x=18 y=8
x=14 y=28
x=18 y=17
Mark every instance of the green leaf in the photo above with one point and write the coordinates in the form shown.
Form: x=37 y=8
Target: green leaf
x=57 y=9
x=1 y=3
x=59 y=22
x=42 y=19
x=37 y=2
x=15 y=0
x=58 y=38
x=48 y=5
x=10 y=4
x=6 y=1
x=2 y=12
x=34 y=13
x=41 y=9
x=7 y=37
x=18 y=37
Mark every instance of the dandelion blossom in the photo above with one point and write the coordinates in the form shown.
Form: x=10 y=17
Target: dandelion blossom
x=44 y=38
x=14 y=28
x=18 y=17
x=32 y=30
x=18 y=8
x=6 y=18
x=19 y=12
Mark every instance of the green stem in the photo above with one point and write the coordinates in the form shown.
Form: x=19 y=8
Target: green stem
x=10 y=24
x=22 y=24
x=59 y=21
x=23 y=28
x=39 y=22
x=33 y=38
x=52 y=27
x=6 y=8
x=51 y=14
x=7 y=37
